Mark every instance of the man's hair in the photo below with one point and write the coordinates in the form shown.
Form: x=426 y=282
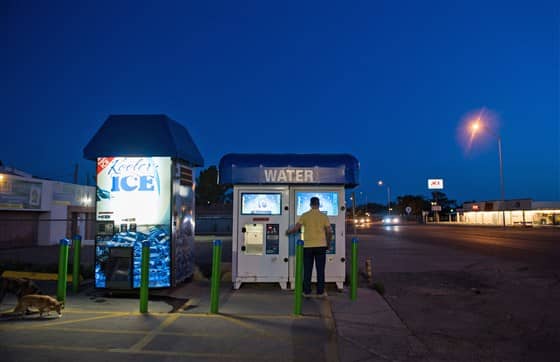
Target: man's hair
x=314 y=201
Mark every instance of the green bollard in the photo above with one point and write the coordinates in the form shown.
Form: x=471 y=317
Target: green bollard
x=77 y=245
x=62 y=270
x=354 y=273
x=215 y=282
x=298 y=277
x=144 y=276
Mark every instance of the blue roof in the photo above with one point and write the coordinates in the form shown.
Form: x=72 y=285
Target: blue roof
x=143 y=135
x=263 y=168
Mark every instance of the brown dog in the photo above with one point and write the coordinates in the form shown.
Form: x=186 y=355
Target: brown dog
x=17 y=286
x=43 y=303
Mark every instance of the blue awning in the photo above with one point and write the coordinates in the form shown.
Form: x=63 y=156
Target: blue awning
x=324 y=169
x=144 y=135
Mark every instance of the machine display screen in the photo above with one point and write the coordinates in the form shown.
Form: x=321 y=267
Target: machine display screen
x=261 y=203
x=328 y=202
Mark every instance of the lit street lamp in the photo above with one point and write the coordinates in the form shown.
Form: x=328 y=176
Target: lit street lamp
x=475 y=126
x=380 y=183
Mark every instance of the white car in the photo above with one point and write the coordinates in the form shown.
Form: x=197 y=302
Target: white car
x=391 y=220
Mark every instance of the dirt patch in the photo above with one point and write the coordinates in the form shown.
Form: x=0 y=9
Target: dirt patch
x=483 y=314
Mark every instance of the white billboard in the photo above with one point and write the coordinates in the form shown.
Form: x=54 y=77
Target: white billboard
x=435 y=183
x=134 y=190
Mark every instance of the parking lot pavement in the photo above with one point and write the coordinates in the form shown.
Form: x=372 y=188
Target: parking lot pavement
x=254 y=323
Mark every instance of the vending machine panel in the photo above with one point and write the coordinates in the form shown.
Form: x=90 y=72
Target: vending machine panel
x=272 y=239
x=254 y=237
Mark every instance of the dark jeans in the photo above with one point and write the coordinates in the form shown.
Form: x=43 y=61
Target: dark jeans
x=319 y=256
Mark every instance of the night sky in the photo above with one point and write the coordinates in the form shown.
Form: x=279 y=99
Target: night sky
x=390 y=82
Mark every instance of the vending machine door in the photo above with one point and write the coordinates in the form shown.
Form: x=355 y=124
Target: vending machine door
x=331 y=199
x=261 y=246
x=119 y=268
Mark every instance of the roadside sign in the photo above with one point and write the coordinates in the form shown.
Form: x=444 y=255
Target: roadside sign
x=435 y=183
x=436 y=207
x=408 y=209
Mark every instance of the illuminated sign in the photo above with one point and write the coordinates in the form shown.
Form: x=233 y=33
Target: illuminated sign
x=134 y=189
x=19 y=194
x=288 y=175
x=435 y=184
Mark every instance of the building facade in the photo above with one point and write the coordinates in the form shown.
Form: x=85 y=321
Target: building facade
x=35 y=211
x=520 y=212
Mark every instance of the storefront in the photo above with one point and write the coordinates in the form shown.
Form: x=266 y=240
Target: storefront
x=521 y=212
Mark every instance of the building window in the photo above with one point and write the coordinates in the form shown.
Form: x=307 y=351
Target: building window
x=5 y=185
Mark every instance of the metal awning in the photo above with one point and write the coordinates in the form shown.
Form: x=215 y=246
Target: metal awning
x=143 y=135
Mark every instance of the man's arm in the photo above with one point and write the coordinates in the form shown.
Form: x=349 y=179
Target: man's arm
x=296 y=228
x=328 y=233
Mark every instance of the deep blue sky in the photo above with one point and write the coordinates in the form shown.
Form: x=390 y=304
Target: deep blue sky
x=387 y=81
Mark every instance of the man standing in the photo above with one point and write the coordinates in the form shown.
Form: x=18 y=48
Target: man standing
x=316 y=231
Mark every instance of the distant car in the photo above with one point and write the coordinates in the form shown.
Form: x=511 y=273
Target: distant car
x=362 y=221
x=391 y=220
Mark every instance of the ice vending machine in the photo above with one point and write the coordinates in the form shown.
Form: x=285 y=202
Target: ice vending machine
x=270 y=192
x=145 y=191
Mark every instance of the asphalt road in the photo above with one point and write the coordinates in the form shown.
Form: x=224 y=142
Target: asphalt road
x=537 y=247
x=484 y=293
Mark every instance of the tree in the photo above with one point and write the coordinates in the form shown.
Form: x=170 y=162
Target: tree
x=415 y=202
x=208 y=191
x=441 y=199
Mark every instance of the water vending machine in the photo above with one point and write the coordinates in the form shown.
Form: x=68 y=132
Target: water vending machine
x=261 y=252
x=270 y=193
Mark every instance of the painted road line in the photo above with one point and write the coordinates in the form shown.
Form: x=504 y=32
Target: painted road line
x=276 y=335
x=262 y=316
x=192 y=302
x=235 y=319
x=154 y=333
x=46 y=325
x=214 y=356
x=130 y=313
x=143 y=332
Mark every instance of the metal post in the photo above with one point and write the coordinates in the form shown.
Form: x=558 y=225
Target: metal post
x=354 y=211
x=354 y=272
x=62 y=270
x=77 y=245
x=502 y=180
x=144 y=276
x=299 y=277
x=388 y=200
x=215 y=282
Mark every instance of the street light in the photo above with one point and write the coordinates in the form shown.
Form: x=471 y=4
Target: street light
x=475 y=127
x=380 y=183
